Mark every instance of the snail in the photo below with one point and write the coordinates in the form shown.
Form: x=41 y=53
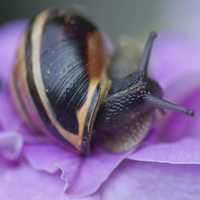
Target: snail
x=61 y=86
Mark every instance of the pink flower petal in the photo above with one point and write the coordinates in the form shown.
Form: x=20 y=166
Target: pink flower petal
x=10 y=119
x=10 y=35
x=83 y=176
x=20 y=182
x=157 y=181
x=174 y=56
x=10 y=145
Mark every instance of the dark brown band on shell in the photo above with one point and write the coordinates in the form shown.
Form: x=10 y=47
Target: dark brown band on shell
x=64 y=66
x=33 y=90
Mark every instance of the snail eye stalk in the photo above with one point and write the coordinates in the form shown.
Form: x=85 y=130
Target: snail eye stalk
x=147 y=51
x=160 y=103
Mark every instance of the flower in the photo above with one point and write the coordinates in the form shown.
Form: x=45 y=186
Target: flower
x=164 y=166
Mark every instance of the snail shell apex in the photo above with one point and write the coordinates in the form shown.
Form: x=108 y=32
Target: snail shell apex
x=59 y=79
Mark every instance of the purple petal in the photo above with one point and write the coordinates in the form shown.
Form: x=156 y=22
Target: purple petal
x=10 y=145
x=174 y=56
x=10 y=35
x=20 y=182
x=83 y=176
x=10 y=119
x=145 y=181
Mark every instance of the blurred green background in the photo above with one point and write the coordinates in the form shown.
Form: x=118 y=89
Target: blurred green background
x=131 y=17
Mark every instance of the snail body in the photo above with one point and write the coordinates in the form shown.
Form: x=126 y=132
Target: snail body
x=61 y=87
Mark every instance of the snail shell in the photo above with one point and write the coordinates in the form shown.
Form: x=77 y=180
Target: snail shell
x=59 y=78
